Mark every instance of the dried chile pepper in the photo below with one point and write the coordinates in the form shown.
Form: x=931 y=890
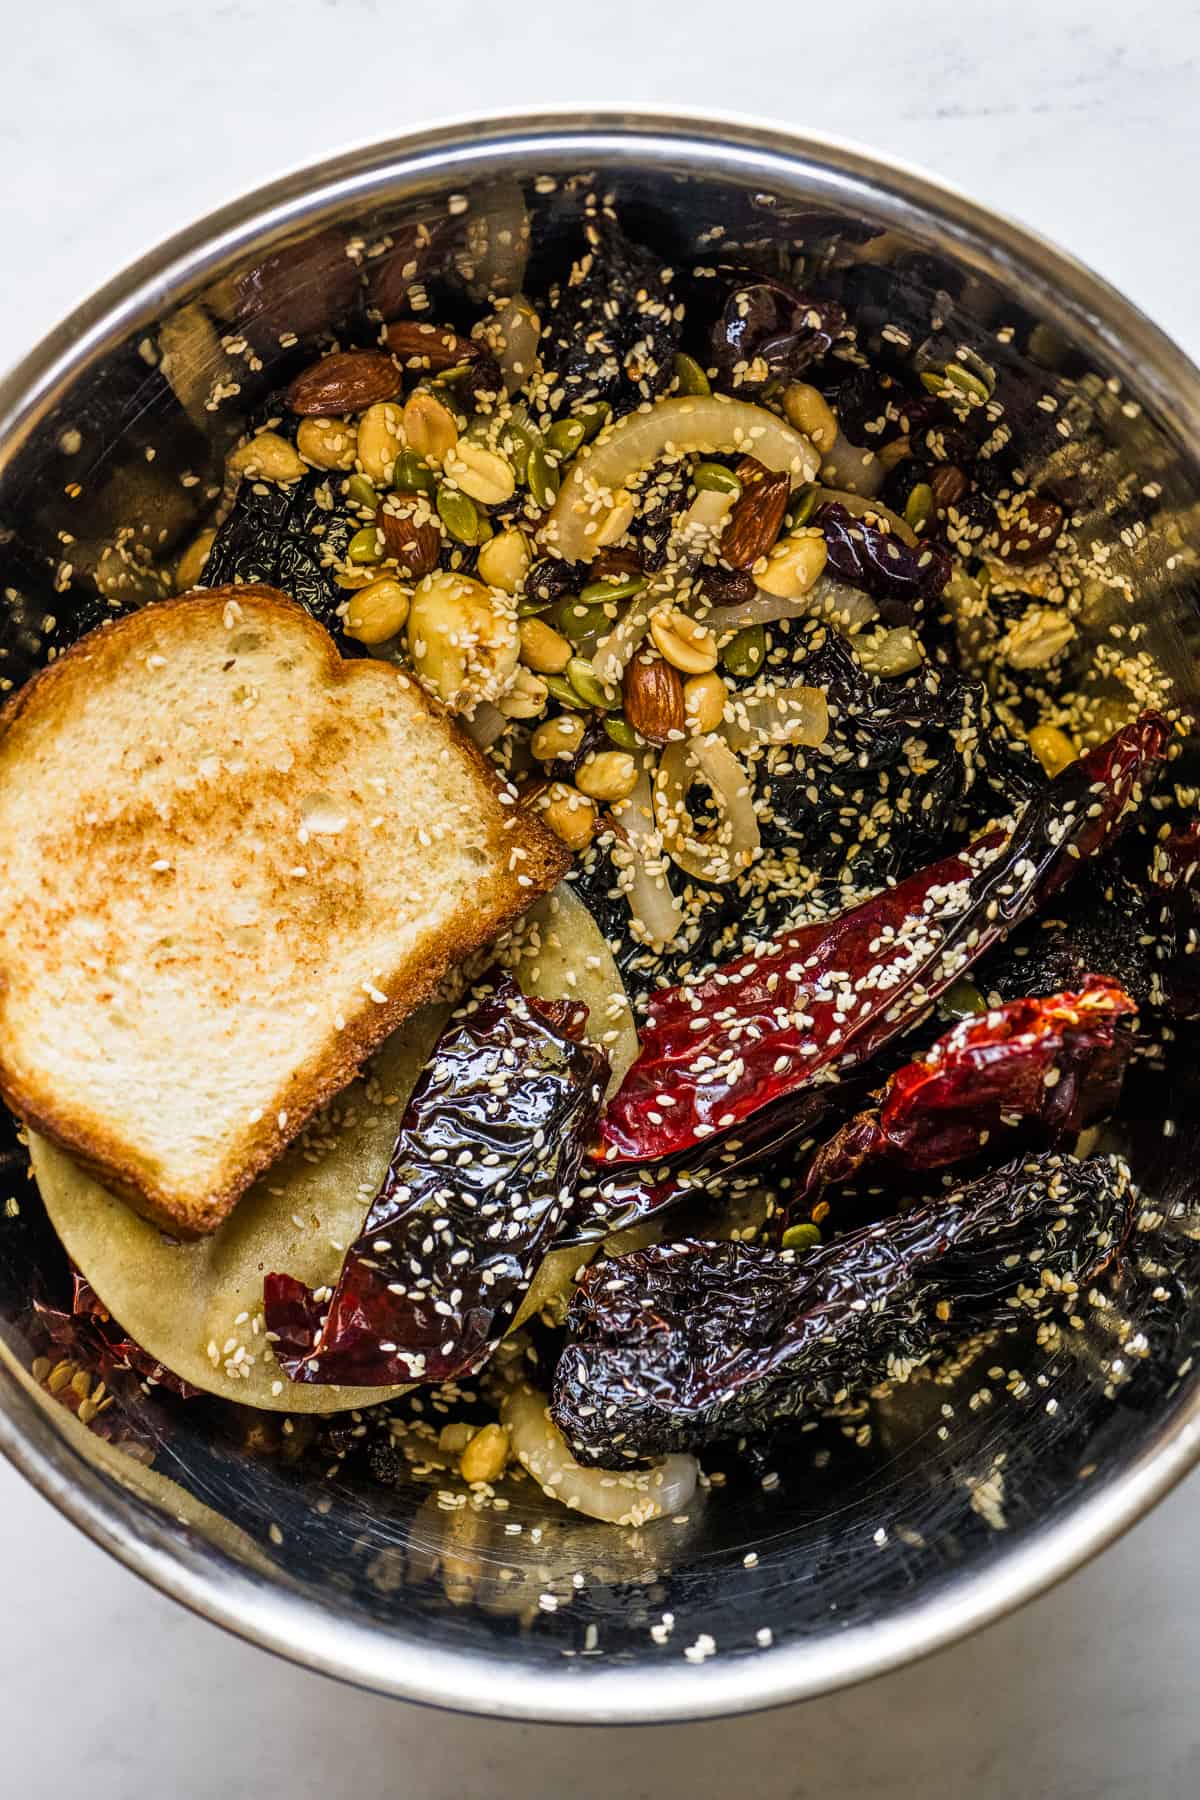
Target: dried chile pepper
x=687 y=1343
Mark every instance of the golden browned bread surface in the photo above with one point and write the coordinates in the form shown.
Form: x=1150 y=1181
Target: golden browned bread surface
x=230 y=864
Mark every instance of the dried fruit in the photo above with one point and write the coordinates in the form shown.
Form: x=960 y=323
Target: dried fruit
x=345 y=382
x=766 y=330
x=1034 y=1071
x=829 y=995
x=482 y=1173
x=757 y=517
x=869 y=557
x=411 y=538
x=688 y=1343
x=652 y=692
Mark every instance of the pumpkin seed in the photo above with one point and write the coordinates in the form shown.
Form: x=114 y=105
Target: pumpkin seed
x=715 y=478
x=803 y=506
x=593 y=419
x=577 y=620
x=529 y=605
x=413 y=475
x=542 y=477
x=565 y=436
x=361 y=492
x=588 y=685
x=971 y=384
x=563 y=692
x=625 y=589
x=801 y=1237
x=962 y=1000
x=621 y=732
x=689 y=376
x=366 y=546
x=459 y=514
x=745 y=653
x=523 y=441
x=919 y=506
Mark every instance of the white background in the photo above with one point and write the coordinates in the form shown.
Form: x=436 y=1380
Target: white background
x=120 y=121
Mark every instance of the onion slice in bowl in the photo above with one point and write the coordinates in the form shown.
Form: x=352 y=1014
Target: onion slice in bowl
x=641 y=863
x=621 y=1497
x=731 y=846
x=844 y=606
x=780 y=715
x=708 y=424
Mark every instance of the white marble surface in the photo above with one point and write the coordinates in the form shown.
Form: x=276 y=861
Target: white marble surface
x=121 y=121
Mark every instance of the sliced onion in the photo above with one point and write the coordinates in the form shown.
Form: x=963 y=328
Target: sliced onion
x=852 y=466
x=512 y=334
x=655 y=910
x=782 y=715
x=495 y=248
x=619 y=1496
x=710 y=424
x=863 y=507
x=730 y=847
x=828 y=598
x=559 y=952
x=485 y=725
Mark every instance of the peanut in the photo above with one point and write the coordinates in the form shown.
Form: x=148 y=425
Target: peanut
x=684 y=642
x=504 y=561
x=608 y=775
x=570 y=815
x=794 y=565
x=430 y=428
x=267 y=456
x=543 y=648
x=558 y=737
x=810 y=413
x=378 y=611
x=327 y=443
x=704 y=699
x=481 y=473
x=380 y=441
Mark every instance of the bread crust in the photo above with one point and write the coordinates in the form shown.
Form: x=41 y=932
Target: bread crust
x=499 y=900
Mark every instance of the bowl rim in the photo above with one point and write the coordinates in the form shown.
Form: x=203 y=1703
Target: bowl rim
x=202 y=1576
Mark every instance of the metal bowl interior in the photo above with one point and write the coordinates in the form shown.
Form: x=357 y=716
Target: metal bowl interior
x=862 y=1549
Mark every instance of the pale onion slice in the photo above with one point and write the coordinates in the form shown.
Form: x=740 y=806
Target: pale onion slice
x=863 y=507
x=494 y=250
x=695 y=532
x=618 y=1496
x=554 y=1283
x=485 y=725
x=176 y=1299
x=730 y=847
x=681 y=425
x=780 y=715
x=844 y=606
x=655 y=912
x=851 y=466
x=558 y=952
x=511 y=334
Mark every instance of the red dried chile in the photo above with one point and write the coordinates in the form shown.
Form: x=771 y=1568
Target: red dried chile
x=89 y=1334
x=480 y=1181
x=1034 y=1070
x=688 y=1343
x=828 y=996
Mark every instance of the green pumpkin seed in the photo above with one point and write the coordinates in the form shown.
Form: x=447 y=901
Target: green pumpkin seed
x=801 y=1237
x=715 y=478
x=919 y=506
x=962 y=1000
x=366 y=546
x=458 y=514
x=968 y=382
x=933 y=381
x=528 y=606
x=565 y=436
x=361 y=492
x=588 y=685
x=523 y=441
x=576 y=620
x=803 y=506
x=625 y=589
x=745 y=653
x=413 y=475
x=593 y=419
x=563 y=692
x=689 y=376
x=542 y=477
x=621 y=732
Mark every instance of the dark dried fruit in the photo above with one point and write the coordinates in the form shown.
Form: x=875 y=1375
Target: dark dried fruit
x=612 y=330
x=756 y=518
x=481 y=1176
x=283 y=537
x=765 y=330
x=688 y=1343
x=1034 y=1071
x=949 y=484
x=652 y=696
x=414 y=543
x=345 y=382
x=1030 y=529
x=877 y=560
x=828 y=996
x=550 y=579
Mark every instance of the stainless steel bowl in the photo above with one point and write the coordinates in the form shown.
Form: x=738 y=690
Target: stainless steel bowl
x=864 y=1556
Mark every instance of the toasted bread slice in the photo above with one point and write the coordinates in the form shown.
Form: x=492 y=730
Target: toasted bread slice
x=230 y=864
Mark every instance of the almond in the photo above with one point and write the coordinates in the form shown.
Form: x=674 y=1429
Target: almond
x=757 y=516
x=415 y=545
x=346 y=382
x=653 y=698
x=433 y=347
